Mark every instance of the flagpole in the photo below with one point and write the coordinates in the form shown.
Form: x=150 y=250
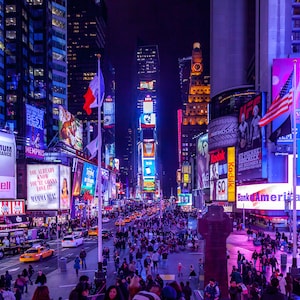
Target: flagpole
x=294 y=261
x=100 y=258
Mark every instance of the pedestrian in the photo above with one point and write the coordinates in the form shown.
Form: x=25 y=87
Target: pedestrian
x=82 y=256
x=192 y=272
x=41 y=278
x=26 y=279
x=112 y=293
x=289 y=285
x=77 y=264
x=179 y=269
x=30 y=273
x=235 y=291
x=8 y=280
x=212 y=290
x=187 y=291
x=20 y=283
x=41 y=293
x=272 y=291
x=155 y=258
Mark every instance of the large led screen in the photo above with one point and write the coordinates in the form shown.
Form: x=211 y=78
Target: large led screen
x=7 y=166
x=109 y=112
x=88 y=183
x=148 y=120
x=250 y=137
x=202 y=157
x=65 y=187
x=70 y=129
x=43 y=187
x=35 y=144
x=148 y=148
x=149 y=168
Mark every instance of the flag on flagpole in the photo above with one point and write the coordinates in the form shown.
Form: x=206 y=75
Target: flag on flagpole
x=93 y=147
x=91 y=95
x=281 y=103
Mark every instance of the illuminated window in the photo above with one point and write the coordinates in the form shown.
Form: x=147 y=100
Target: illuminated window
x=38 y=72
x=10 y=8
x=11 y=34
x=10 y=21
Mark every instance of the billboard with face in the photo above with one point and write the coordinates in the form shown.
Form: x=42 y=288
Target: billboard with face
x=202 y=162
x=35 y=144
x=43 y=187
x=65 y=187
x=250 y=136
x=70 y=129
x=7 y=166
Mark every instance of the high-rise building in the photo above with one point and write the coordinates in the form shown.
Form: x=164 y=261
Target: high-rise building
x=148 y=70
x=195 y=91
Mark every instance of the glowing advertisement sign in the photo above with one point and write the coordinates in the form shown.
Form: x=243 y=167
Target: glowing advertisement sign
x=12 y=207
x=266 y=196
x=7 y=166
x=148 y=105
x=184 y=199
x=148 y=148
x=218 y=175
x=43 y=187
x=202 y=157
x=148 y=120
x=34 y=132
x=149 y=168
x=109 y=112
x=250 y=136
x=231 y=173
x=65 y=187
x=110 y=154
x=149 y=185
x=70 y=129
x=88 y=183
x=147 y=85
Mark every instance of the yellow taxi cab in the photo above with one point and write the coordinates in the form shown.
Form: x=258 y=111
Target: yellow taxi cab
x=36 y=253
x=127 y=220
x=93 y=231
x=120 y=222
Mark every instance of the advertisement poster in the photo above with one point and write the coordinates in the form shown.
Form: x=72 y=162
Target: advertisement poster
x=110 y=154
x=18 y=207
x=109 y=112
x=77 y=179
x=202 y=157
x=149 y=168
x=184 y=199
x=218 y=175
x=34 y=132
x=42 y=187
x=148 y=148
x=88 y=183
x=65 y=187
x=70 y=129
x=266 y=196
x=250 y=136
x=113 y=185
x=148 y=120
x=7 y=166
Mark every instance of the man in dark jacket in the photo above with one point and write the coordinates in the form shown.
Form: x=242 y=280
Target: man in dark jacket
x=272 y=291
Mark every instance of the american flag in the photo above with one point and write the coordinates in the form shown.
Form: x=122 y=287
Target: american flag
x=281 y=104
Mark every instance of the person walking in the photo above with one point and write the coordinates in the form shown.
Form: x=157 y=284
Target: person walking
x=179 y=269
x=82 y=256
x=41 y=278
x=30 y=273
x=77 y=264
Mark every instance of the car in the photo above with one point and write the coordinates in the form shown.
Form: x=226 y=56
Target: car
x=106 y=234
x=72 y=241
x=36 y=253
x=80 y=231
x=93 y=231
x=120 y=222
x=127 y=220
x=105 y=220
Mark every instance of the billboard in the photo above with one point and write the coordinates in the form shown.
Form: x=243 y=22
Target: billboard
x=70 y=129
x=12 y=207
x=147 y=85
x=148 y=105
x=35 y=145
x=108 y=112
x=266 y=196
x=250 y=137
x=202 y=157
x=110 y=154
x=88 y=181
x=149 y=185
x=184 y=199
x=148 y=148
x=7 y=166
x=65 y=187
x=149 y=168
x=148 y=120
x=218 y=175
x=43 y=187
x=231 y=173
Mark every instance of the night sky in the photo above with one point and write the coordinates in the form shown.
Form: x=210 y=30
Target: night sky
x=174 y=25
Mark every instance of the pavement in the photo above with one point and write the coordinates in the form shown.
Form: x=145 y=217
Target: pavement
x=61 y=283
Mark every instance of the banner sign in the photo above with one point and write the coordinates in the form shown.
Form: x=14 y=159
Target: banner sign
x=7 y=166
x=148 y=148
x=184 y=199
x=65 y=187
x=202 y=157
x=149 y=168
x=12 y=207
x=88 y=183
x=108 y=112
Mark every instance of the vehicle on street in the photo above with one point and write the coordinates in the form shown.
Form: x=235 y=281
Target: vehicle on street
x=72 y=241
x=105 y=220
x=105 y=233
x=80 y=231
x=120 y=222
x=127 y=220
x=36 y=253
x=93 y=231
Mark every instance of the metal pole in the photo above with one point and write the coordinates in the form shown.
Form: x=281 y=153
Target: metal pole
x=294 y=262
x=100 y=257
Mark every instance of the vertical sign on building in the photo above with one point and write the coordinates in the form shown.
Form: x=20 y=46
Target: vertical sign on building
x=231 y=173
